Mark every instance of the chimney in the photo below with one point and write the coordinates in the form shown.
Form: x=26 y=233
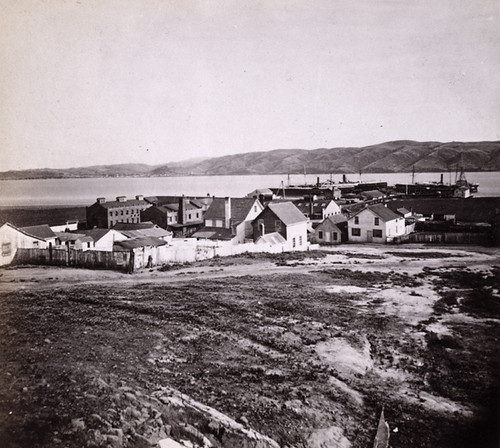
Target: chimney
x=101 y=200
x=227 y=213
x=121 y=198
x=139 y=197
x=180 y=218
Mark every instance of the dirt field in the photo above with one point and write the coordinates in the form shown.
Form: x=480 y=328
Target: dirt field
x=298 y=350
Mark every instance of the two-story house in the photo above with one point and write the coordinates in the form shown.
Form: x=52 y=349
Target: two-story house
x=230 y=219
x=285 y=219
x=376 y=223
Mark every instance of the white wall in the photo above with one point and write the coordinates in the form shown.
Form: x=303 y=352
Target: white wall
x=11 y=239
x=296 y=231
x=331 y=209
x=390 y=229
x=106 y=242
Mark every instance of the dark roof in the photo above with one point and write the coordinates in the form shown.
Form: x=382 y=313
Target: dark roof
x=138 y=242
x=337 y=219
x=197 y=201
x=96 y=234
x=287 y=212
x=42 y=231
x=403 y=211
x=21 y=230
x=381 y=211
x=165 y=208
x=126 y=203
x=133 y=225
x=260 y=191
x=68 y=236
x=178 y=225
x=318 y=205
x=373 y=194
x=240 y=208
x=214 y=233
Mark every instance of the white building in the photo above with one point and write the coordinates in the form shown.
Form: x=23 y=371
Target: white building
x=376 y=224
x=12 y=238
x=285 y=219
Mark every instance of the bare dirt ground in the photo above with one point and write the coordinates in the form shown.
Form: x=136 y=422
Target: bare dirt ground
x=292 y=350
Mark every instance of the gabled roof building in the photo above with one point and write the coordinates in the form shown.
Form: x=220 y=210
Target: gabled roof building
x=376 y=223
x=285 y=219
x=230 y=219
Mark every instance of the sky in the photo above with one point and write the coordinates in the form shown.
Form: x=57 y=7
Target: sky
x=93 y=82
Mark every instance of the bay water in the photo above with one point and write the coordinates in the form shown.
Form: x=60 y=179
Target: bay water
x=84 y=191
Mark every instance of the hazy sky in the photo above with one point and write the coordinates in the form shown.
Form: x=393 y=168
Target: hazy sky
x=153 y=81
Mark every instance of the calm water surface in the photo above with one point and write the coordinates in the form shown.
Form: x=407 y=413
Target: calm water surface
x=85 y=191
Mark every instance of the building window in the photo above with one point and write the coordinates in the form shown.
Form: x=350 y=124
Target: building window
x=293 y=242
x=110 y=213
x=300 y=240
x=255 y=208
x=335 y=236
x=122 y=212
x=277 y=225
x=116 y=213
x=377 y=233
x=356 y=220
x=355 y=231
x=320 y=235
x=189 y=216
x=6 y=249
x=377 y=222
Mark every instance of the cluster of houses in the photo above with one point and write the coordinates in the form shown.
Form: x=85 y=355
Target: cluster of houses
x=259 y=222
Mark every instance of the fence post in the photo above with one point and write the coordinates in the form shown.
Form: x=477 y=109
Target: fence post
x=131 y=263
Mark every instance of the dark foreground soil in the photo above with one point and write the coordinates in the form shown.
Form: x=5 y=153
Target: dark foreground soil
x=305 y=356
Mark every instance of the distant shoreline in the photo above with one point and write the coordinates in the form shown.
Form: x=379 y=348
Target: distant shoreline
x=243 y=174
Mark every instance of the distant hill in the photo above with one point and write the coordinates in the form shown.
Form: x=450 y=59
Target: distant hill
x=389 y=157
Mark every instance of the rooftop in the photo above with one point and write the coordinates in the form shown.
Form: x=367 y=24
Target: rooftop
x=287 y=212
x=240 y=208
x=42 y=231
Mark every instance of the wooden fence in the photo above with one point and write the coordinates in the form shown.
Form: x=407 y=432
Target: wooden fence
x=482 y=239
x=92 y=259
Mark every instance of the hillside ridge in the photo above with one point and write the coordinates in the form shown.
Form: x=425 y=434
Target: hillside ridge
x=389 y=157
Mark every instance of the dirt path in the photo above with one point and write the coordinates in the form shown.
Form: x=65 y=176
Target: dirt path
x=278 y=351
x=359 y=257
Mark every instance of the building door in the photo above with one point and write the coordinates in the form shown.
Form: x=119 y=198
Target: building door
x=369 y=236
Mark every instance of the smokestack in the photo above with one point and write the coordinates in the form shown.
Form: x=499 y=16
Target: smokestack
x=227 y=213
x=180 y=217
